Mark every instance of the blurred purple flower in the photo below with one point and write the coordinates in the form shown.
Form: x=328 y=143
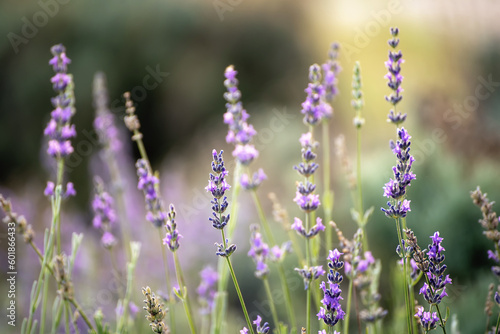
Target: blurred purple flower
x=315 y=107
x=206 y=290
x=394 y=78
x=173 y=236
x=148 y=183
x=58 y=129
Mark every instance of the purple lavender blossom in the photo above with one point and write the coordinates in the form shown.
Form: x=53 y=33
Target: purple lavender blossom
x=108 y=240
x=148 y=184
x=331 y=311
x=173 y=236
x=395 y=78
x=427 y=319
x=324 y=332
x=59 y=131
x=207 y=289
x=104 y=214
x=261 y=329
x=304 y=197
x=313 y=231
x=310 y=273
x=259 y=252
x=217 y=186
x=257 y=178
x=396 y=188
x=437 y=289
x=315 y=108
x=240 y=132
x=49 y=189
x=331 y=69
x=102 y=205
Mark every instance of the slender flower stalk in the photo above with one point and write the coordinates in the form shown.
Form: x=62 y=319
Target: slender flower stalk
x=314 y=108
x=218 y=186
x=395 y=189
x=172 y=241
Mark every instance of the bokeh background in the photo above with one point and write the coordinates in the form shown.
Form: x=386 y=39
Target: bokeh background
x=450 y=49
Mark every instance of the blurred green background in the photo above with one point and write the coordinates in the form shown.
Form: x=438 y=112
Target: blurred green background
x=450 y=49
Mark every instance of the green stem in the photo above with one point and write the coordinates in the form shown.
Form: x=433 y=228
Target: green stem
x=60 y=171
x=84 y=316
x=405 y=278
x=183 y=290
x=169 y=285
x=308 y=294
x=262 y=217
x=271 y=303
x=237 y=287
x=442 y=322
x=272 y=241
x=348 y=307
x=45 y=292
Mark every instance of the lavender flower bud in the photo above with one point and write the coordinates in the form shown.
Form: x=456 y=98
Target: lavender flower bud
x=148 y=184
x=309 y=274
x=172 y=237
x=394 y=78
x=428 y=320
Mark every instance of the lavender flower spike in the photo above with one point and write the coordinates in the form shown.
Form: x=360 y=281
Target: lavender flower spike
x=217 y=186
x=173 y=236
x=315 y=107
x=240 y=132
x=59 y=130
x=394 y=78
x=437 y=290
x=148 y=183
x=104 y=214
x=331 y=70
x=259 y=252
x=396 y=188
x=331 y=311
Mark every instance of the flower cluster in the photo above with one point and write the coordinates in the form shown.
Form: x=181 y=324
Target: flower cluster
x=396 y=188
x=305 y=197
x=259 y=252
x=436 y=290
x=428 y=320
x=331 y=69
x=331 y=311
x=261 y=329
x=394 y=78
x=50 y=188
x=217 y=186
x=313 y=231
x=206 y=289
x=257 y=178
x=148 y=183
x=104 y=214
x=315 y=108
x=310 y=274
x=173 y=236
x=240 y=132
x=59 y=130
